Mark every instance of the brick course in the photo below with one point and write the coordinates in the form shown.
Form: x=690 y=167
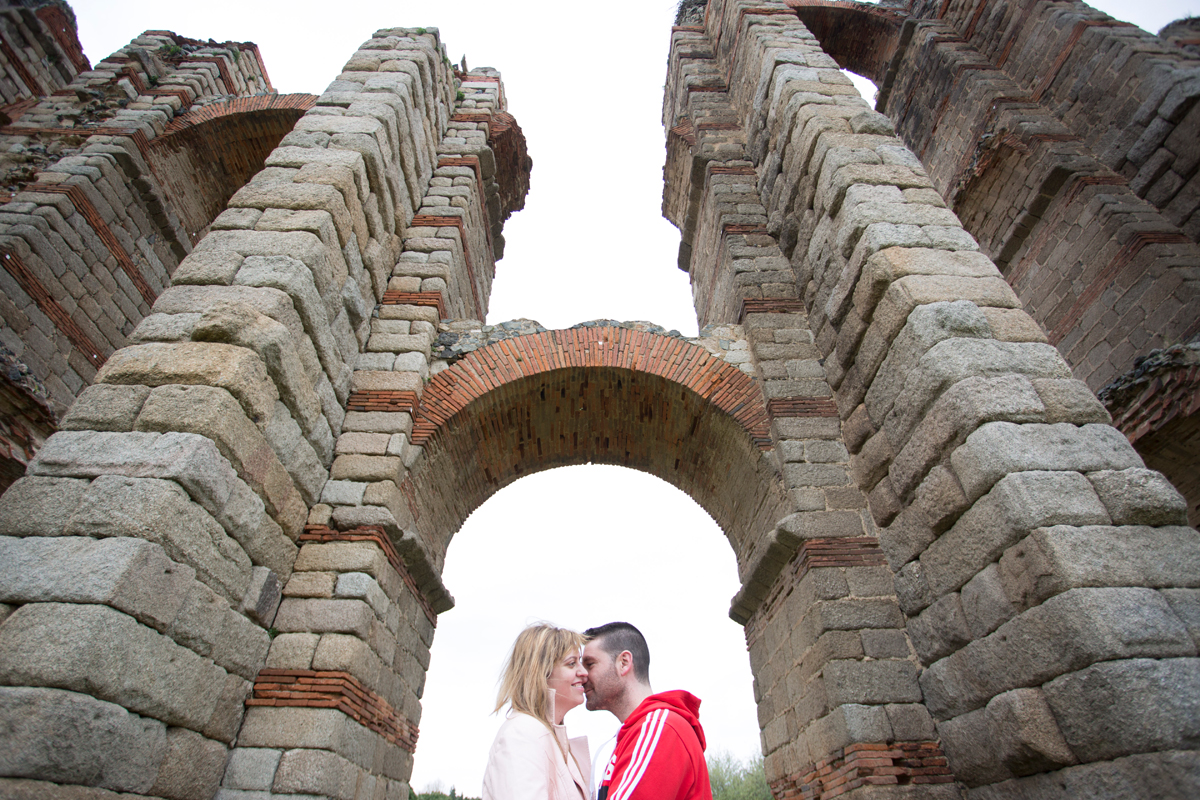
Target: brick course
x=883 y=764
x=368 y=533
x=295 y=688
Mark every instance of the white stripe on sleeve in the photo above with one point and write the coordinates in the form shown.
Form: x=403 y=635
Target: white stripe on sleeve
x=643 y=752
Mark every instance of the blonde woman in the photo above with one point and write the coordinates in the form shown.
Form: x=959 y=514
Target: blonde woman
x=532 y=758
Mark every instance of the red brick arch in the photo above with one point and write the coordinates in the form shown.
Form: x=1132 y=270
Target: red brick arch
x=859 y=37
x=642 y=400
x=208 y=153
x=297 y=104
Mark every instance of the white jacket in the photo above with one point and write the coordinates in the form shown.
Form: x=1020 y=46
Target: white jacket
x=526 y=764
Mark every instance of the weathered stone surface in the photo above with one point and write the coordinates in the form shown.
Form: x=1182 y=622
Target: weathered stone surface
x=940 y=496
x=308 y=728
x=347 y=517
x=1186 y=605
x=190 y=460
x=240 y=324
x=906 y=536
x=940 y=629
x=386 y=381
x=1139 y=497
x=238 y=370
x=910 y=722
x=100 y=651
x=132 y=575
x=213 y=413
x=985 y=604
x=926 y=326
x=274 y=303
x=192 y=767
x=305 y=462
x=906 y=294
x=343 y=557
x=1054 y=559
x=1070 y=401
x=262 y=596
x=848 y=724
x=1120 y=708
x=68 y=737
x=292 y=651
x=954 y=360
x=210 y=628
x=251 y=768
x=24 y=789
x=960 y=410
x=998 y=448
x=160 y=511
x=351 y=654
x=820 y=524
x=105 y=407
x=893 y=263
x=317 y=772
x=207 y=266
x=297 y=615
x=292 y=276
x=38 y=506
x=1171 y=775
x=1015 y=506
x=1087 y=625
x=311 y=584
x=871 y=682
x=1014 y=325
x=1015 y=734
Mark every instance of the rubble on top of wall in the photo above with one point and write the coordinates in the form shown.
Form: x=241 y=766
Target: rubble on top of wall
x=458 y=337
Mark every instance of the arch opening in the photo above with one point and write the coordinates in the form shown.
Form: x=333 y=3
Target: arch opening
x=861 y=38
x=595 y=415
x=636 y=551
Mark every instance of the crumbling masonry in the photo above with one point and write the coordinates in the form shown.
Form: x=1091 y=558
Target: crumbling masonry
x=248 y=396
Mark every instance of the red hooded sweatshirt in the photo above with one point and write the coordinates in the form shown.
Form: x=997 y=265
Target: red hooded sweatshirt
x=659 y=753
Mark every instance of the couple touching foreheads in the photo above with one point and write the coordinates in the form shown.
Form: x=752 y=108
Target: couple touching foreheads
x=658 y=752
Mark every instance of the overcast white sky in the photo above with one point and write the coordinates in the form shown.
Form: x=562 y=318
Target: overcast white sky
x=578 y=546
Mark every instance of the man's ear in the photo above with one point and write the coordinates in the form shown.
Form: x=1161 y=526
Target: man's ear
x=624 y=663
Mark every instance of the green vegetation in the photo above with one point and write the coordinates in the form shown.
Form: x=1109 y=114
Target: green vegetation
x=733 y=780
x=170 y=50
x=435 y=795
x=730 y=779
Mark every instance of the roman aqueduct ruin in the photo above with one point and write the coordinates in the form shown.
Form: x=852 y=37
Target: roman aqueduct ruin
x=248 y=397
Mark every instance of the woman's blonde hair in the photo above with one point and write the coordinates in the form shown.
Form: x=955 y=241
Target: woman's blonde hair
x=536 y=652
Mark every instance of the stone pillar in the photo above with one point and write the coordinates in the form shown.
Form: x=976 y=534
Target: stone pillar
x=1002 y=499
x=146 y=551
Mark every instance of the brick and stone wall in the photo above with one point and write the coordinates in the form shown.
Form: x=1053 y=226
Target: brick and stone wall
x=1064 y=140
x=103 y=195
x=39 y=53
x=988 y=470
x=184 y=475
x=221 y=577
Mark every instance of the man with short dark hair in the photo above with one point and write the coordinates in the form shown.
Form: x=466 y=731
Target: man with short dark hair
x=659 y=753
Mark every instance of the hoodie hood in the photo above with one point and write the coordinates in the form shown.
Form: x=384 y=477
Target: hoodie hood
x=685 y=704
